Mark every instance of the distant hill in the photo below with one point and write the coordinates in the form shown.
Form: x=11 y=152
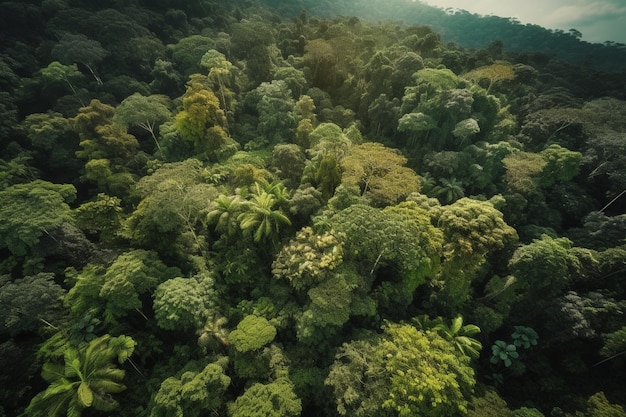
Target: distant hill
x=470 y=30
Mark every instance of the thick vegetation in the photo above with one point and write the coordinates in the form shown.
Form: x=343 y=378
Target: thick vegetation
x=216 y=209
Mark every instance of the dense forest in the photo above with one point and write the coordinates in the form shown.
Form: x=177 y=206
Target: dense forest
x=280 y=209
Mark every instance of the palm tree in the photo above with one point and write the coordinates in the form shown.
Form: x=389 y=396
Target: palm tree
x=456 y=333
x=87 y=378
x=223 y=212
x=461 y=336
x=450 y=190
x=260 y=218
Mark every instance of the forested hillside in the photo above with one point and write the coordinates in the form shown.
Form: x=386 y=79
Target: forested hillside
x=243 y=210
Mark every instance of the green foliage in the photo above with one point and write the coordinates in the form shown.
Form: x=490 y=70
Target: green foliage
x=103 y=216
x=503 y=352
x=275 y=108
x=415 y=124
x=174 y=203
x=275 y=399
x=79 y=49
x=490 y=404
x=379 y=173
x=471 y=230
x=119 y=288
x=86 y=379
x=289 y=160
x=309 y=258
x=27 y=303
x=544 y=267
x=615 y=343
x=196 y=392
x=45 y=131
x=523 y=170
x=408 y=372
x=316 y=233
x=56 y=72
x=524 y=337
x=31 y=211
x=188 y=52
x=108 y=149
x=459 y=334
x=500 y=71
x=144 y=112
x=527 y=412
x=252 y=333
x=599 y=406
x=202 y=122
x=133 y=274
x=561 y=164
x=398 y=238
x=260 y=218
x=184 y=303
x=328 y=145
x=222 y=74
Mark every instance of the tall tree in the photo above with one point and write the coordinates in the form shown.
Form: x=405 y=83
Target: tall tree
x=79 y=49
x=404 y=371
x=261 y=218
x=31 y=211
x=379 y=173
x=144 y=112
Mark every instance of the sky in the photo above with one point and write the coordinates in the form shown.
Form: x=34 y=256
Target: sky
x=597 y=20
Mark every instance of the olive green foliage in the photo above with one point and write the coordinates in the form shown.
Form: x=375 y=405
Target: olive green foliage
x=527 y=412
x=489 y=404
x=309 y=258
x=471 y=230
x=195 y=392
x=202 y=122
x=174 y=202
x=184 y=303
x=493 y=73
x=400 y=238
x=599 y=406
x=252 y=333
x=379 y=173
x=275 y=399
x=120 y=287
x=408 y=372
x=307 y=208
x=144 y=112
x=102 y=216
x=27 y=303
x=615 y=343
x=544 y=266
x=313 y=264
x=523 y=170
x=30 y=211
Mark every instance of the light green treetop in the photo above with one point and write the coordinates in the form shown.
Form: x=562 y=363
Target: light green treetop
x=379 y=172
x=409 y=372
x=196 y=391
x=252 y=333
x=275 y=399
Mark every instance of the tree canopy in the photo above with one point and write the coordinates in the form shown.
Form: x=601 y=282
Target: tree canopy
x=312 y=208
